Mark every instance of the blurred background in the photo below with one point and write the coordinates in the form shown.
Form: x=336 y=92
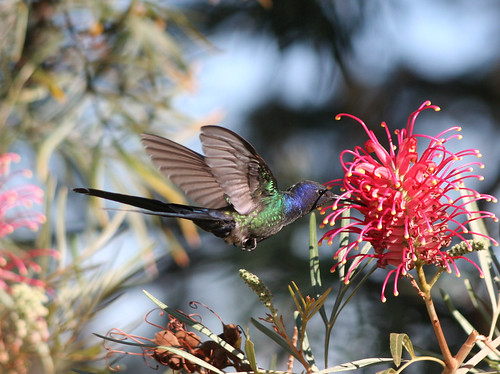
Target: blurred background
x=81 y=80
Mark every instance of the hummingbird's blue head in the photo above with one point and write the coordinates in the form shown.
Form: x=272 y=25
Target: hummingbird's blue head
x=311 y=195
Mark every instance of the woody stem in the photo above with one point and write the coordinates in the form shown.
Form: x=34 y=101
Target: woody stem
x=450 y=361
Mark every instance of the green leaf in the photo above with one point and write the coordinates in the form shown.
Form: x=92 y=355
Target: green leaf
x=155 y=300
x=250 y=353
x=318 y=303
x=22 y=16
x=485 y=257
x=339 y=305
x=409 y=347
x=49 y=146
x=295 y=300
x=343 y=241
x=306 y=347
x=124 y=342
x=355 y=365
x=397 y=342
x=466 y=325
x=274 y=336
x=478 y=302
x=314 y=268
x=396 y=346
x=188 y=356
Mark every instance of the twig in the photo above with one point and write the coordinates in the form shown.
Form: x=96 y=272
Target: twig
x=295 y=337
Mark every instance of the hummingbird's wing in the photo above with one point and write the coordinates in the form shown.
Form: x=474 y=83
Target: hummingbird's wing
x=236 y=165
x=187 y=169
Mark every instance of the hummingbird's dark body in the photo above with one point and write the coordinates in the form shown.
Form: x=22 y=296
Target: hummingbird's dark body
x=236 y=189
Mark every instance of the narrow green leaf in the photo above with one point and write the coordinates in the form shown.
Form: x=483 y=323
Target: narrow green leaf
x=343 y=241
x=155 y=300
x=339 y=305
x=188 y=356
x=22 y=17
x=306 y=347
x=466 y=325
x=49 y=145
x=314 y=268
x=497 y=267
x=250 y=353
x=125 y=342
x=485 y=257
x=295 y=300
x=318 y=303
x=61 y=232
x=273 y=364
x=409 y=346
x=299 y=293
x=274 y=336
x=479 y=303
x=355 y=365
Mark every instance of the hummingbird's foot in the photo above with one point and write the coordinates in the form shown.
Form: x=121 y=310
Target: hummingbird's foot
x=249 y=244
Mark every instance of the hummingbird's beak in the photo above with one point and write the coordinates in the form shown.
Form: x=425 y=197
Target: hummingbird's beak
x=325 y=196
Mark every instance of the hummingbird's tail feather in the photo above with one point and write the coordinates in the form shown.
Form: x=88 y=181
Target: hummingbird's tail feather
x=157 y=207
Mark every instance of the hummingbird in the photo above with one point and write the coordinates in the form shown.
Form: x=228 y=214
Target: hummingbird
x=238 y=195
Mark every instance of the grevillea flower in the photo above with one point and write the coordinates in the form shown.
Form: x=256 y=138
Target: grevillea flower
x=405 y=199
x=15 y=268
x=24 y=195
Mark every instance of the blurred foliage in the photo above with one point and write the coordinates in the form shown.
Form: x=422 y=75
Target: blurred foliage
x=327 y=25
x=79 y=81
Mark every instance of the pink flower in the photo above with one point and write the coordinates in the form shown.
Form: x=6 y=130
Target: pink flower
x=15 y=268
x=405 y=201
x=17 y=196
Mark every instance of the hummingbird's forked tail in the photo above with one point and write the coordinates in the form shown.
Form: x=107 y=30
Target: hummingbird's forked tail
x=157 y=207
